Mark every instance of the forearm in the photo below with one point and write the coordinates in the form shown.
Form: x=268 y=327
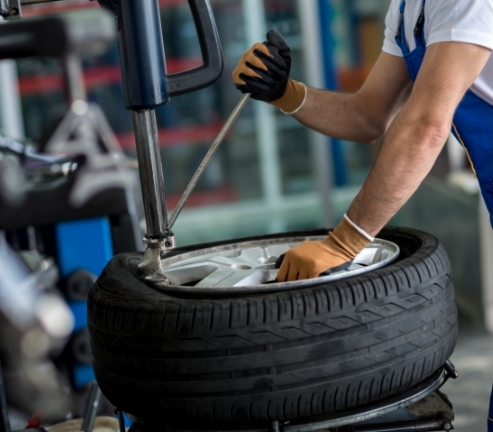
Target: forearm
x=338 y=115
x=363 y=116
x=406 y=157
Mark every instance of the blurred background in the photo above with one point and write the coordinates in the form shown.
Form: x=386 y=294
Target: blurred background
x=269 y=174
x=272 y=174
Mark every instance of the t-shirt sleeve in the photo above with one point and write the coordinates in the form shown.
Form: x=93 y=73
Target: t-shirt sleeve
x=391 y=24
x=469 y=21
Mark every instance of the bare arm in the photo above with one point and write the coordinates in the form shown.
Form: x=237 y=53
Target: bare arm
x=416 y=137
x=365 y=115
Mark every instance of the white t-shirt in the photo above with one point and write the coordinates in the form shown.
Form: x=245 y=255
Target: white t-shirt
x=468 y=21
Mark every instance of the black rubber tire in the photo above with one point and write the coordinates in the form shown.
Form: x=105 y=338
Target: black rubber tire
x=249 y=359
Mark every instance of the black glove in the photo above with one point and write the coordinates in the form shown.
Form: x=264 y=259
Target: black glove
x=265 y=72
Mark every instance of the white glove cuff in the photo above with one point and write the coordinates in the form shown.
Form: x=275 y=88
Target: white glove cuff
x=302 y=102
x=360 y=230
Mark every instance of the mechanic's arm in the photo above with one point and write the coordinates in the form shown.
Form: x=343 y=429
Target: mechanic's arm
x=364 y=116
x=410 y=148
x=418 y=134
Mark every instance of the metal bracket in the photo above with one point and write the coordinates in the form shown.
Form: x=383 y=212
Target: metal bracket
x=165 y=244
x=450 y=369
x=150 y=266
x=10 y=9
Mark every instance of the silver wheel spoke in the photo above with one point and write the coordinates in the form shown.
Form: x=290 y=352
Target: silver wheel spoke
x=183 y=275
x=235 y=278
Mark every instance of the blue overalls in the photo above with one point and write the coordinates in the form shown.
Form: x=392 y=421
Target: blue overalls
x=473 y=120
x=472 y=124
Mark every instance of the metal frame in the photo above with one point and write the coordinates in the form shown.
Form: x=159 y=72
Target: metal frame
x=353 y=417
x=377 y=409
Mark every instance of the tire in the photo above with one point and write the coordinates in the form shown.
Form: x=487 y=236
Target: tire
x=201 y=362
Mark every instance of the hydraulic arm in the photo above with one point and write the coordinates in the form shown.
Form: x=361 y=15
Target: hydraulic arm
x=146 y=86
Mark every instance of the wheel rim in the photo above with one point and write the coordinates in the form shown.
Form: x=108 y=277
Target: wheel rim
x=249 y=266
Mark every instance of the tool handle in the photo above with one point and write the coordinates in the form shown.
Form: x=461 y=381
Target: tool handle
x=210 y=46
x=80 y=33
x=146 y=84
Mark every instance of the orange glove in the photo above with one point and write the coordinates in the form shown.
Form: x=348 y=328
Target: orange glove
x=263 y=71
x=336 y=252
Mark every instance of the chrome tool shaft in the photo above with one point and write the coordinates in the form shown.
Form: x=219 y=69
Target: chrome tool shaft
x=217 y=142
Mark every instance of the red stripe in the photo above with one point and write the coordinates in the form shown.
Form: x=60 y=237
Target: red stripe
x=172 y=136
x=94 y=77
x=62 y=6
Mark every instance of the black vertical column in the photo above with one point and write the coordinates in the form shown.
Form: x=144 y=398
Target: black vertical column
x=4 y=414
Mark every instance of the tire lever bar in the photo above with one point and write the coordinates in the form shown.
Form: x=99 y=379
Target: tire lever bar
x=203 y=165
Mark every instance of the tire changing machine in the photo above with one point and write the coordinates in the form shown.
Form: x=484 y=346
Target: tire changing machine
x=72 y=201
x=147 y=86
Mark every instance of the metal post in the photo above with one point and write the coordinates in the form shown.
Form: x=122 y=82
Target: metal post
x=314 y=70
x=75 y=88
x=265 y=119
x=91 y=408
x=151 y=174
x=11 y=120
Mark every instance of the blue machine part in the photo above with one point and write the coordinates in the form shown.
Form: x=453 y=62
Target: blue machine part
x=83 y=245
x=83 y=375
x=326 y=19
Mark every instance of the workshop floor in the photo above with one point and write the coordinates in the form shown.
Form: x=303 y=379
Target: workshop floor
x=473 y=358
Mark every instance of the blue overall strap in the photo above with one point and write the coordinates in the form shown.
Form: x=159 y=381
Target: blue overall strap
x=400 y=36
x=419 y=34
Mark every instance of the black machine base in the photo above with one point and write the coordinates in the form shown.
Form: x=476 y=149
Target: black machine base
x=422 y=408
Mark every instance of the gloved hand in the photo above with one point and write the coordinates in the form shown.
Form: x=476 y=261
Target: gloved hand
x=334 y=253
x=264 y=70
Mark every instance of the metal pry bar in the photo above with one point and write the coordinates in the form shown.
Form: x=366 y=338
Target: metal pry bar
x=217 y=142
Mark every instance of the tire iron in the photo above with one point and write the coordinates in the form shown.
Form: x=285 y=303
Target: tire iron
x=205 y=162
